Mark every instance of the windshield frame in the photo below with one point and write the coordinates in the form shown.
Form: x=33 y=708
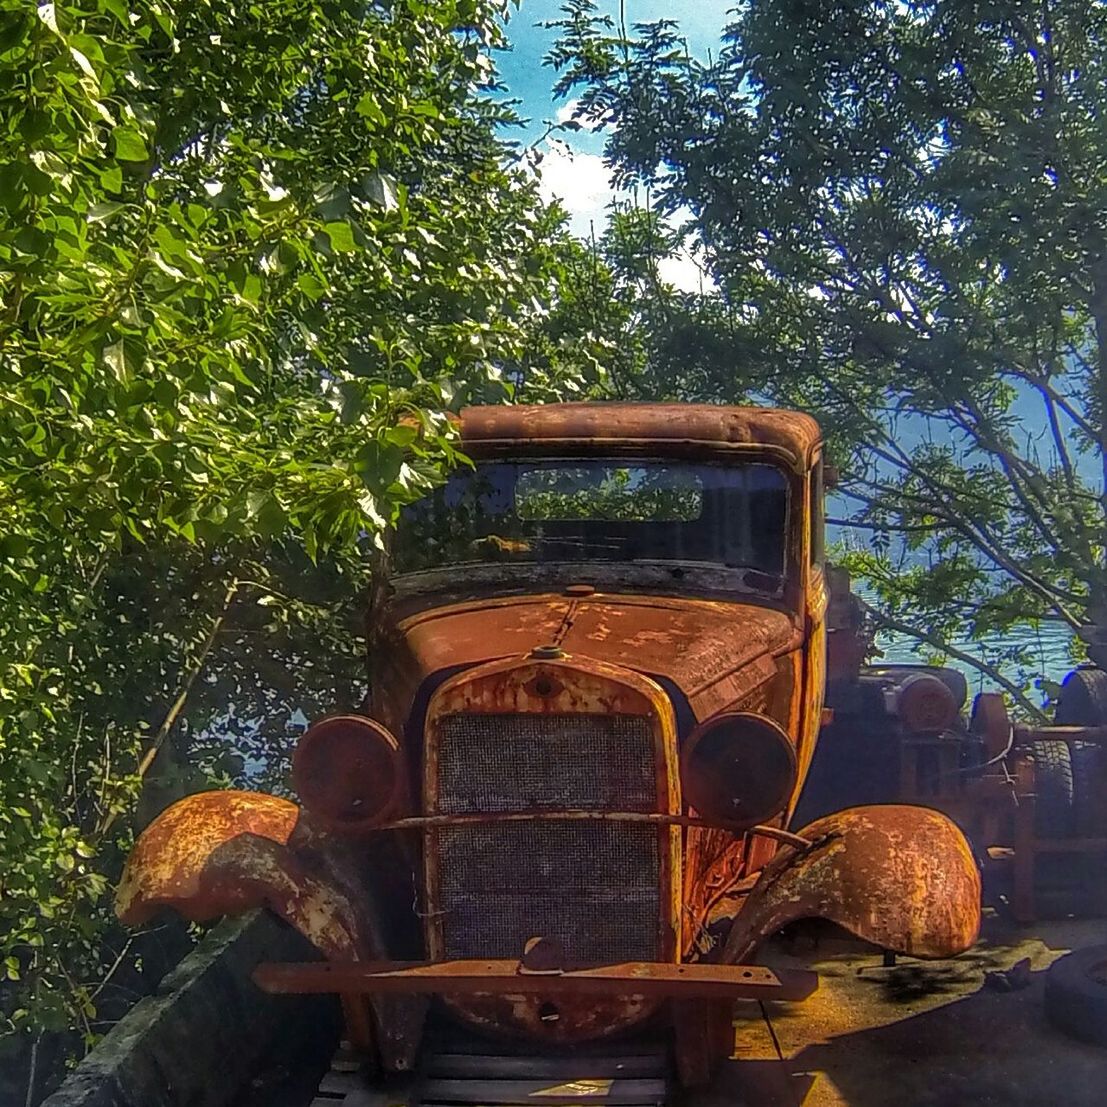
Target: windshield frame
x=660 y=576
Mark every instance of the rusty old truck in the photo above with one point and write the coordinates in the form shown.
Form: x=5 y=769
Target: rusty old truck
x=563 y=813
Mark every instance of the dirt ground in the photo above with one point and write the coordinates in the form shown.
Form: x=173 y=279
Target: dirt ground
x=918 y=1033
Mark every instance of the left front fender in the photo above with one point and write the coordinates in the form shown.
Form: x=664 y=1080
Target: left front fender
x=223 y=853
x=901 y=877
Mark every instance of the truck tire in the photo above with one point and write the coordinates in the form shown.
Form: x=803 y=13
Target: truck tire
x=1053 y=814
x=1076 y=994
x=1083 y=699
x=1083 y=702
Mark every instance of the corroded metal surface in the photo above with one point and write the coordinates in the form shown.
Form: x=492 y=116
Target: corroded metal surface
x=791 y=434
x=570 y=689
x=925 y=705
x=223 y=853
x=653 y=979
x=901 y=877
x=347 y=771
x=716 y=653
x=739 y=766
x=168 y=866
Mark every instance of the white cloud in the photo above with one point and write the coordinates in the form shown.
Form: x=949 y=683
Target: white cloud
x=684 y=273
x=565 y=112
x=582 y=183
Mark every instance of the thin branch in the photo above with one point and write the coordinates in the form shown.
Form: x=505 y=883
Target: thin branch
x=1059 y=440
x=982 y=541
x=178 y=704
x=1020 y=477
x=976 y=534
x=938 y=643
x=897 y=528
x=1059 y=398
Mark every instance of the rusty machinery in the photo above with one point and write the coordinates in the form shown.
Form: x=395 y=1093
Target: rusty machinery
x=1031 y=798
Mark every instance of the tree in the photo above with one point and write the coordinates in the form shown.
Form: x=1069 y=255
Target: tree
x=903 y=206
x=250 y=256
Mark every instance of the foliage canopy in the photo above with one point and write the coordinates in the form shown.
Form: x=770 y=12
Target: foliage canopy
x=250 y=256
x=903 y=207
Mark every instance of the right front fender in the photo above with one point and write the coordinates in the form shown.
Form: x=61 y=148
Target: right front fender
x=901 y=877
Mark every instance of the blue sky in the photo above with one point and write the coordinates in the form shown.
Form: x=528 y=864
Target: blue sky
x=572 y=168
x=701 y=23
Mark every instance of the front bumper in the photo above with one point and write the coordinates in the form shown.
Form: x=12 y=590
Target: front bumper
x=649 y=979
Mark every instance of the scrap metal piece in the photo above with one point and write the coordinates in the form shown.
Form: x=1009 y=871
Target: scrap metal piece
x=903 y=878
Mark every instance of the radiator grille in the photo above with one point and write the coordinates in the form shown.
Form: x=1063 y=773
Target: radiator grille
x=593 y=886
x=515 y=762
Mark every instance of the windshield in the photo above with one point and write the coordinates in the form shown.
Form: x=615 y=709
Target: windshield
x=599 y=510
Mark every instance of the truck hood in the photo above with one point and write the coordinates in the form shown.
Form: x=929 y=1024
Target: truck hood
x=715 y=652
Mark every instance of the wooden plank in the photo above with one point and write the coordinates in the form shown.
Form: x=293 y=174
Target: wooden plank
x=340 y=1083
x=547 y=1093
x=546 y=1068
x=381 y=1097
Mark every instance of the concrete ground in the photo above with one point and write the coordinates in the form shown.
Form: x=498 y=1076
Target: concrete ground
x=919 y=1033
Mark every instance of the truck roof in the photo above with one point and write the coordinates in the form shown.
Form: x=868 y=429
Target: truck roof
x=657 y=427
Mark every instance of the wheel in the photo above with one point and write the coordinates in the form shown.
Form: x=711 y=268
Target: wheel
x=1083 y=699
x=990 y=723
x=1076 y=994
x=1088 y=799
x=953 y=679
x=1053 y=815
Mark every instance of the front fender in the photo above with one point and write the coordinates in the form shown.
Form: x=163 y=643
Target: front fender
x=901 y=877
x=223 y=853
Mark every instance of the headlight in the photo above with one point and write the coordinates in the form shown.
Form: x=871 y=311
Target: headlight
x=346 y=770
x=738 y=768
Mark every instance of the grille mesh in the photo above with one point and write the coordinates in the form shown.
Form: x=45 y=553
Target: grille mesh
x=593 y=886
x=515 y=762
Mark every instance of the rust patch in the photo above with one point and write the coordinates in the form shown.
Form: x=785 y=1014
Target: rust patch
x=661 y=427
x=717 y=653
x=903 y=878
x=167 y=867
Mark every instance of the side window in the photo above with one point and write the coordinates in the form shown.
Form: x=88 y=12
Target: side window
x=818 y=516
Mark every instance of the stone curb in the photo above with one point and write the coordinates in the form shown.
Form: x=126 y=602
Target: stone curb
x=202 y=1037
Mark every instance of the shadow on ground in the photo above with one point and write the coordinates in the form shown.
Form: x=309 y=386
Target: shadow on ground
x=918 y=1034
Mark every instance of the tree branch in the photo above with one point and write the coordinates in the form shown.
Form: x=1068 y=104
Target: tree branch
x=992 y=673
x=179 y=703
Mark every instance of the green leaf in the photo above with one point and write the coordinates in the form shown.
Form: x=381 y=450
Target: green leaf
x=103 y=210
x=112 y=179
x=116 y=361
x=341 y=237
x=129 y=144
x=310 y=286
x=401 y=436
